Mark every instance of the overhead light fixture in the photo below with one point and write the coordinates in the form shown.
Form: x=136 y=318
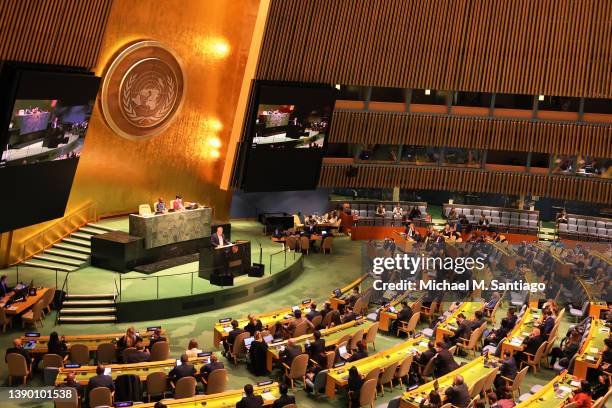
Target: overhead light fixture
x=428 y=92
x=540 y=98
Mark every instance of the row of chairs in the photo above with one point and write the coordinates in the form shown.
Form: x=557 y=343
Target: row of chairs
x=295 y=243
x=583 y=231
x=32 y=317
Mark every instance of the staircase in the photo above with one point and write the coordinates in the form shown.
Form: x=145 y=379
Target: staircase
x=72 y=252
x=89 y=309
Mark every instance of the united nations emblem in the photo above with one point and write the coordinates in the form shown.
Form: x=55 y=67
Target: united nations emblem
x=143 y=90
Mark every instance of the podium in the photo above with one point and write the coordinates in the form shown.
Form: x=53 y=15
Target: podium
x=220 y=265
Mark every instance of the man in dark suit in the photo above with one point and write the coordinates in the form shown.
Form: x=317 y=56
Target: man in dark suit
x=155 y=338
x=531 y=345
x=183 y=370
x=284 y=399
x=463 y=330
x=506 y=325
x=250 y=400
x=4 y=288
x=231 y=336
x=349 y=316
x=548 y=323
x=73 y=383
x=313 y=312
x=403 y=315
x=100 y=380
x=254 y=325
x=361 y=352
x=355 y=295
x=477 y=320
x=18 y=348
x=316 y=349
x=290 y=352
x=508 y=369
x=214 y=364
x=424 y=357
x=444 y=362
x=138 y=356
x=218 y=239
x=458 y=394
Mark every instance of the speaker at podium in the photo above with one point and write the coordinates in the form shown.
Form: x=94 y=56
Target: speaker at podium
x=221 y=264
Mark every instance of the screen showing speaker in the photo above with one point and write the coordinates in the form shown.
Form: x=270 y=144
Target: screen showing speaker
x=45 y=115
x=286 y=135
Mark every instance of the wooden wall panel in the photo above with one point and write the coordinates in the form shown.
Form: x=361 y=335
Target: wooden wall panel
x=430 y=178
x=551 y=47
x=59 y=32
x=469 y=132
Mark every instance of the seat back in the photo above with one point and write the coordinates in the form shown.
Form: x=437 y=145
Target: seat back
x=37 y=310
x=144 y=209
x=79 y=354
x=217 y=381
x=126 y=352
x=316 y=321
x=157 y=383
x=428 y=369
x=72 y=402
x=404 y=367
x=48 y=298
x=538 y=355
x=52 y=360
x=17 y=365
x=372 y=375
x=416 y=306
x=356 y=338
x=304 y=243
x=476 y=388
x=518 y=380
x=388 y=373
x=238 y=347
x=327 y=319
x=489 y=380
x=601 y=402
x=412 y=323
x=291 y=242
x=367 y=392
x=100 y=397
x=160 y=351
x=361 y=306
x=301 y=329
x=330 y=358
x=327 y=243
x=106 y=353
x=298 y=366
x=372 y=331
x=185 y=388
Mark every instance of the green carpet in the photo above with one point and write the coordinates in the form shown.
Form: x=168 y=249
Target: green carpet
x=322 y=274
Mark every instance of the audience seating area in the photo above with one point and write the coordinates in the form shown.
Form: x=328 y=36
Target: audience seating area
x=583 y=227
x=504 y=219
x=365 y=212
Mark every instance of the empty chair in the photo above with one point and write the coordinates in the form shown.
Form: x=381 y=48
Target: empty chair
x=533 y=224
x=592 y=231
x=144 y=209
x=52 y=360
x=304 y=244
x=48 y=300
x=355 y=338
x=476 y=212
x=301 y=329
x=79 y=354
x=591 y=223
x=571 y=221
x=495 y=213
x=524 y=216
x=563 y=227
x=105 y=354
x=100 y=397
x=476 y=387
x=533 y=217
x=403 y=370
x=185 y=388
x=217 y=381
x=160 y=351
x=71 y=402
x=326 y=246
x=5 y=320
x=156 y=385
x=572 y=228
x=17 y=367
x=370 y=336
x=33 y=316
x=387 y=376
x=487 y=213
x=580 y=221
x=583 y=230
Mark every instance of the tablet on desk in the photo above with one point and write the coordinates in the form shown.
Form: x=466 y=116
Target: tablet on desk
x=107 y=371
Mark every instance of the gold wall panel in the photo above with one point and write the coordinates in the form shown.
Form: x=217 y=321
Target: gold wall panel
x=212 y=38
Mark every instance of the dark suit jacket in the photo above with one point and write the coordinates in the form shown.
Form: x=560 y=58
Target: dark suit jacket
x=405 y=314
x=444 y=363
x=214 y=240
x=100 y=381
x=547 y=326
x=4 y=289
x=153 y=341
x=316 y=350
x=252 y=328
x=138 y=357
x=475 y=324
x=184 y=370
x=464 y=330
x=210 y=367
x=284 y=400
x=358 y=355
x=231 y=336
x=425 y=356
x=349 y=317
x=532 y=344
x=289 y=353
x=458 y=395
x=312 y=314
x=507 y=324
x=253 y=401
x=508 y=368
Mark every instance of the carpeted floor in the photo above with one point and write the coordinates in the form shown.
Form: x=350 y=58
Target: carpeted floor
x=322 y=274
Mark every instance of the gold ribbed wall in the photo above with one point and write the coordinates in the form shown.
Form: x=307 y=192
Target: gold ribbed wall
x=429 y=178
x=551 y=47
x=475 y=133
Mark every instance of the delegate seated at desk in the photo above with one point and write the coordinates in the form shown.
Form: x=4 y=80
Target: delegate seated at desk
x=218 y=239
